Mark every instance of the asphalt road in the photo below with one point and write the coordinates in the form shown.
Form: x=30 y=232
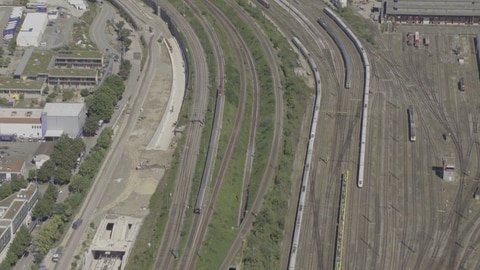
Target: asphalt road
x=97 y=28
x=74 y=237
x=134 y=96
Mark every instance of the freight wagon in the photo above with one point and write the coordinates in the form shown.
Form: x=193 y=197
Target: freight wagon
x=264 y=3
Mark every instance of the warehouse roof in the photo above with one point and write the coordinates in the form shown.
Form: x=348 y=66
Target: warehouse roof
x=63 y=109
x=433 y=7
x=33 y=22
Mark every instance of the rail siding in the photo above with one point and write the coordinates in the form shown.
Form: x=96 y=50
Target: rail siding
x=366 y=91
x=308 y=159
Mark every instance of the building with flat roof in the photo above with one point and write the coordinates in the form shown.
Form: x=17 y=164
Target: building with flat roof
x=37 y=65
x=21 y=123
x=432 y=11
x=14 y=86
x=73 y=77
x=32 y=30
x=112 y=243
x=14 y=211
x=8 y=169
x=78 y=59
x=67 y=118
x=72 y=68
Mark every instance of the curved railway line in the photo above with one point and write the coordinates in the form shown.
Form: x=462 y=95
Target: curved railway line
x=366 y=93
x=201 y=221
x=183 y=182
x=268 y=174
x=343 y=51
x=218 y=110
x=343 y=137
x=308 y=159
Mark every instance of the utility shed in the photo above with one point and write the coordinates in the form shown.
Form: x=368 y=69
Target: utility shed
x=67 y=118
x=32 y=30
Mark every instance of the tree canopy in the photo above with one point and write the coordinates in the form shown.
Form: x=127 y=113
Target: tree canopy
x=17 y=248
x=62 y=161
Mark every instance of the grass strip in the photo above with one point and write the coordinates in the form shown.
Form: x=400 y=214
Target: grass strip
x=262 y=248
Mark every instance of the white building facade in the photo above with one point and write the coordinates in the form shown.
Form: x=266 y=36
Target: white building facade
x=64 y=118
x=32 y=30
x=21 y=123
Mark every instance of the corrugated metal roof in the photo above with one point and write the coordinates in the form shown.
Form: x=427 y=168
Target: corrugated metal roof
x=433 y=8
x=63 y=109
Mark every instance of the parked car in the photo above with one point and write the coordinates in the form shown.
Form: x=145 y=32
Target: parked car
x=77 y=223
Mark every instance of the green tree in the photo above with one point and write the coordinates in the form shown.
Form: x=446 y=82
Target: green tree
x=114 y=81
x=79 y=183
x=12 y=45
x=119 y=25
x=44 y=207
x=68 y=94
x=42 y=210
x=52 y=192
x=47 y=169
x=91 y=125
x=17 y=248
x=102 y=106
x=46 y=236
x=18 y=182
x=105 y=138
x=125 y=68
x=5 y=190
x=62 y=176
x=84 y=92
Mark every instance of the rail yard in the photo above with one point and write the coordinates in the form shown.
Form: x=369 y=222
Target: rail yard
x=312 y=138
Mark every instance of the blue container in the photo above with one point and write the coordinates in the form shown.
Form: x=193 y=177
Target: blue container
x=8 y=32
x=41 y=9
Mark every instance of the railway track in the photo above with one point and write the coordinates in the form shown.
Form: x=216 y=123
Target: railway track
x=272 y=160
x=429 y=104
x=281 y=17
x=201 y=221
x=170 y=238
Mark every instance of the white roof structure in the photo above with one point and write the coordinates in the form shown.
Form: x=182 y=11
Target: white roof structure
x=63 y=109
x=32 y=29
x=78 y=4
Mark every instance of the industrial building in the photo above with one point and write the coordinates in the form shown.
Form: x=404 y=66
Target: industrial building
x=14 y=211
x=112 y=243
x=64 y=118
x=432 y=11
x=9 y=169
x=21 y=123
x=32 y=30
